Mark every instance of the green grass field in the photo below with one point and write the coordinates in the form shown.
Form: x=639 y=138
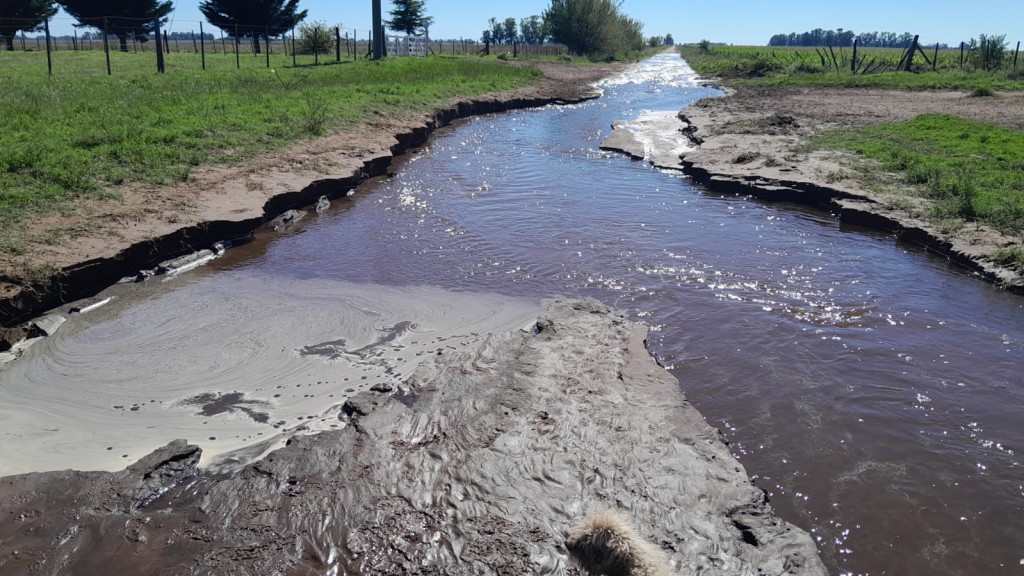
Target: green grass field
x=972 y=171
x=875 y=67
x=82 y=132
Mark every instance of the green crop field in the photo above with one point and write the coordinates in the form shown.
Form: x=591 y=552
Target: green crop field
x=82 y=132
x=874 y=67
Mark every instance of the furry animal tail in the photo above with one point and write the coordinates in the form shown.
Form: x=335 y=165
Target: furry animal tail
x=605 y=544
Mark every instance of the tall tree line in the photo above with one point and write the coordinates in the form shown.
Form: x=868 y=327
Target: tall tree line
x=137 y=19
x=841 y=37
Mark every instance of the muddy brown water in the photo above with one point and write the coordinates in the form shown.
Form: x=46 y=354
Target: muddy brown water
x=872 y=389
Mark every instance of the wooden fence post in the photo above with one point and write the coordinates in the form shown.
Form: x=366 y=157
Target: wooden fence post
x=238 y=61
x=961 y=55
x=853 y=61
x=159 y=49
x=266 y=41
x=49 y=59
x=106 y=44
x=337 y=43
x=293 y=44
x=316 y=44
x=910 y=54
x=935 y=57
x=202 y=44
x=1015 y=52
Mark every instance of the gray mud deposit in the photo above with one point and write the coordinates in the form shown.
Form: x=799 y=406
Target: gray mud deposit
x=481 y=470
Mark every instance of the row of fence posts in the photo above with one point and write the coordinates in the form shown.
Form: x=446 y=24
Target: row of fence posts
x=905 y=63
x=162 y=46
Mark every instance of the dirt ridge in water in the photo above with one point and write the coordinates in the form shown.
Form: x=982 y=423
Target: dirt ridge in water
x=116 y=239
x=482 y=468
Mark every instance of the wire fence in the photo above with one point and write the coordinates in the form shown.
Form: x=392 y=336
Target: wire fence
x=198 y=44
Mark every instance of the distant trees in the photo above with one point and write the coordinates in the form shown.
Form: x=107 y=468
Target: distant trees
x=593 y=27
x=252 y=18
x=122 y=18
x=409 y=16
x=531 y=30
x=666 y=40
x=841 y=37
x=27 y=15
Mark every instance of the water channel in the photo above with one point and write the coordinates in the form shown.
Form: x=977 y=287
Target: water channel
x=873 y=390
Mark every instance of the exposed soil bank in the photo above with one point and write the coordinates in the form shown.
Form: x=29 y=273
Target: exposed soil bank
x=752 y=143
x=481 y=467
x=115 y=239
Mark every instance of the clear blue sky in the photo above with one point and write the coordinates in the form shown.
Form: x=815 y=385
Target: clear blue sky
x=729 y=21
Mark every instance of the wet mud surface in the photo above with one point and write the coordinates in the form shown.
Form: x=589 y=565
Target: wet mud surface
x=483 y=470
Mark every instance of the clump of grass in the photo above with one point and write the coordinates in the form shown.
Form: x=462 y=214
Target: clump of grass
x=1011 y=257
x=982 y=92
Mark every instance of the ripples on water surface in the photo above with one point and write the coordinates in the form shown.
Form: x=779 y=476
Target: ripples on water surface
x=874 y=391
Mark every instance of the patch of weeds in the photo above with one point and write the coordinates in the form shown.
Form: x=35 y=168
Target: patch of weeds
x=31 y=273
x=253 y=185
x=771 y=161
x=833 y=176
x=950 y=225
x=13 y=247
x=982 y=92
x=746 y=157
x=1011 y=257
x=899 y=203
x=315 y=116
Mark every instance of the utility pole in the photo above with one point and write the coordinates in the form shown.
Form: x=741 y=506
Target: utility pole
x=378 y=32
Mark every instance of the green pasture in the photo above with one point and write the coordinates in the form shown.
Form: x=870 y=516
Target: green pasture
x=973 y=172
x=874 y=67
x=83 y=132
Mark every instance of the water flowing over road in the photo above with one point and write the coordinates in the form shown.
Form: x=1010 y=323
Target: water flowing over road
x=873 y=390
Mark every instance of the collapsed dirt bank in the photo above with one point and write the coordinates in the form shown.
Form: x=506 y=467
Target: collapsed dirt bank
x=73 y=256
x=481 y=466
x=753 y=142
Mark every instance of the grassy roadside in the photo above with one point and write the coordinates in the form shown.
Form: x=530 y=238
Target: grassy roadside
x=970 y=170
x=774 y=66
x=945 y=170
x=83 y=132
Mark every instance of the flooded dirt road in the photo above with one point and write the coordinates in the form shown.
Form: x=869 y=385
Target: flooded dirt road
x=872 y=390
